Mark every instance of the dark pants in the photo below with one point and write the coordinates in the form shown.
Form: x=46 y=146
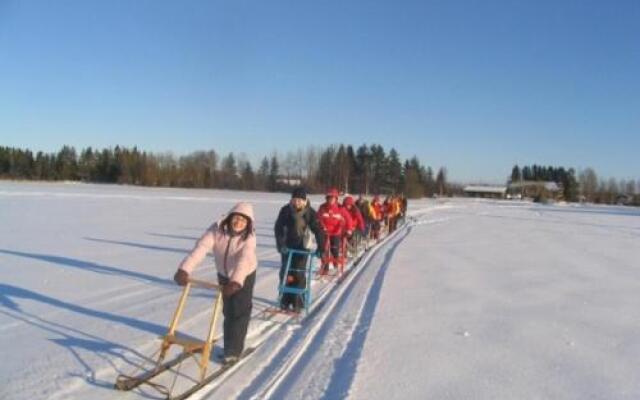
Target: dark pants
x=298 y=273
x=335 y=243
x=355 y=240
x=375 y=230
x=393 y=223
x=367 y=229
x=237 y=313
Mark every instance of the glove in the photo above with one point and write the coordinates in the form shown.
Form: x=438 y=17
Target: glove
x=181 y=277
x=230 y=289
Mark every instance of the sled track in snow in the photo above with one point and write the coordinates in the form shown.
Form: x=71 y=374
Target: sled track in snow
x=330 y=339
x=320 y=359
x=334 y=331
x=282 y=348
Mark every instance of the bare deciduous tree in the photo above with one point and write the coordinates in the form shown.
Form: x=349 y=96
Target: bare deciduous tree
x=588 y=183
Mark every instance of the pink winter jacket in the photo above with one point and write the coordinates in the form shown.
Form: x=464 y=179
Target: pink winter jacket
x=240 y=254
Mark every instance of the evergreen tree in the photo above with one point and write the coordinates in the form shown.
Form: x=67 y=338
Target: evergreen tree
x=86 y=165
x=21 y=163
x=613 y=191
x=379 y=168
x=342 y=169
x=352 y=177
x=363 y=169
x=247 y=176
x=123 y=161
x=441 y=181
x=229 y=172
x=66 y=164
x=262 y=177
x=39 y=167
x=413 y=183
x=394 y=170
x=274 y=170
x=429 y=182
x=4 y=161
x=570 y=186
x=516 y=176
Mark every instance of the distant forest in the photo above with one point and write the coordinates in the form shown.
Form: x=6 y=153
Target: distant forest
x=367 y=169
x=584 y=186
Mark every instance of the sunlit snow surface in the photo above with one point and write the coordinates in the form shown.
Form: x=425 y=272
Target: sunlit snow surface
x=470 y=300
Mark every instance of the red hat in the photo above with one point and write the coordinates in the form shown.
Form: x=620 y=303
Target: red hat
x=333 y=192
x=348 y=201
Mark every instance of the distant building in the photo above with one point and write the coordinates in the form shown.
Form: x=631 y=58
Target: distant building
x=290 y=181
x=624 y=200
x=536 y=190
x=487 y=192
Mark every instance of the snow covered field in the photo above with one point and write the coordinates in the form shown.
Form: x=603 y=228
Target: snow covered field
x=470 y=300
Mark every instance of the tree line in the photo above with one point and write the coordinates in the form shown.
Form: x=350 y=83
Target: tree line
x=582 y=186
x=368 y=169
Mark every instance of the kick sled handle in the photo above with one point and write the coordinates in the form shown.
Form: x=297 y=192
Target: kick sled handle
x=183 y=299
x=305 y=252
x=204 y=284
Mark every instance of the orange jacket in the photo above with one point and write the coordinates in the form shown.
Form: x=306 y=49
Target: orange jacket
x=376 y=211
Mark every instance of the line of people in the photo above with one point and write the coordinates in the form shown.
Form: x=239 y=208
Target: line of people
x=336 y=227
x=232 y=240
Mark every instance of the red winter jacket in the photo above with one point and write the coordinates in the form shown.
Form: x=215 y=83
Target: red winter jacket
x=357 y=222
x=334 y=219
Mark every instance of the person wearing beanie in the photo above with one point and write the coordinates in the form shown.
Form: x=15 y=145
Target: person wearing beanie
x=232 y=241
x=299 y=193
x=295 y=223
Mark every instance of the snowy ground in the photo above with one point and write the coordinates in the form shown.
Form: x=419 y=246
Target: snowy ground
x=471 y=300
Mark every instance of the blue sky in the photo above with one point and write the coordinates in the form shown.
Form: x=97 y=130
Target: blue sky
x=475 y=86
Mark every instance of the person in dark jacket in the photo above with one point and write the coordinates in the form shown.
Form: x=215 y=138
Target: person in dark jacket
x=291 y=229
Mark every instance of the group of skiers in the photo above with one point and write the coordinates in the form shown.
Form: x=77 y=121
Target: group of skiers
x=335 y=227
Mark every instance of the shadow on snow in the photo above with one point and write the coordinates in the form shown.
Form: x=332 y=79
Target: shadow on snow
x=89 y=266
x=74 y=340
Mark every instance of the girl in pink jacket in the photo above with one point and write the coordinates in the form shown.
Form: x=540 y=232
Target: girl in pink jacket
x=233 y=244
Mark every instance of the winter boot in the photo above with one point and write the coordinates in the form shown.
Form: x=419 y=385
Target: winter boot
x=298 y=305
x=230 y=360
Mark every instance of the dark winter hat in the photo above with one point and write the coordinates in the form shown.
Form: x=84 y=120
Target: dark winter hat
x=299 y=193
